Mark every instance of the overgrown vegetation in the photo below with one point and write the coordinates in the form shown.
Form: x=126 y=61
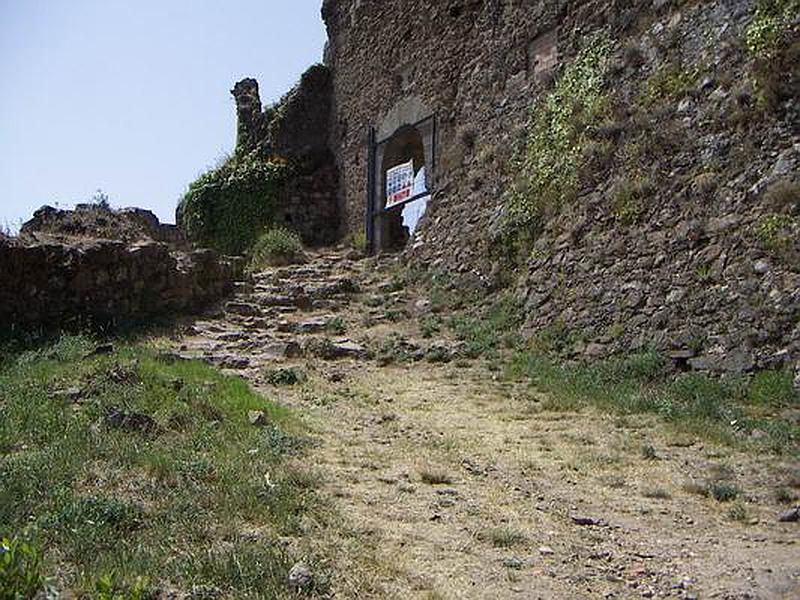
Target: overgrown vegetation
x=129 y=470
x=277 y=246
x=229 y=206
x=549 y=163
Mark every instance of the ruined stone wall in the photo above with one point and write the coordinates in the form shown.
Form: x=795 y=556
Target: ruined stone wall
x=296 y=129
x=690 y=267
x=103 y=283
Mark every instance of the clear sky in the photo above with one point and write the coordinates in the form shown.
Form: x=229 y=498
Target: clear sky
x=133 y=96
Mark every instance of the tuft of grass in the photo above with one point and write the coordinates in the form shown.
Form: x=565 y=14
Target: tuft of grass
x=109 y=506
x=649 y=453
x=657 y=493
x=277 y=246
x=630 y=199
x=20 y=569
x=484 y=335
x=434 y=476
x=430 y=326
x=503 y=537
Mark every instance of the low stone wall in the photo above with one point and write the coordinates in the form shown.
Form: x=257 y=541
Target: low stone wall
x=104 y=283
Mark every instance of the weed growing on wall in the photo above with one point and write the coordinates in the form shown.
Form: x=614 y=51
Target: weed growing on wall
x=228 y=207
x=764 y=37
x=772 y=41
x=549 y=163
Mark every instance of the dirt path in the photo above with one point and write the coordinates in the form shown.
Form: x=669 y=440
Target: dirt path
x=453 y=484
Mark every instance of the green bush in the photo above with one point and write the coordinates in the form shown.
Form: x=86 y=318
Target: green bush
x=548 y=165
x=20 y=570
x=276 y=246
x=228 y=206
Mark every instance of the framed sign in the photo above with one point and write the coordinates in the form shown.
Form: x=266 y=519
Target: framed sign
x=399 y=183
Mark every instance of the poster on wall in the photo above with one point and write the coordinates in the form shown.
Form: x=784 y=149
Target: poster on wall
x=399 y=183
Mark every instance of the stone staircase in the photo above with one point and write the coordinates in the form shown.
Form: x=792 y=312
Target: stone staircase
x=285 y=313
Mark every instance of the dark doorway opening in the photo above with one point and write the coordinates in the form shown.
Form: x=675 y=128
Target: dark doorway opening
x=405 y=146
x=392 y=216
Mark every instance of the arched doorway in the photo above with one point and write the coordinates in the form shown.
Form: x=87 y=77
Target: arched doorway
x=404 y=148
x=402 y=167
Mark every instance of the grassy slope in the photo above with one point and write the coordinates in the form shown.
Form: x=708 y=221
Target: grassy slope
x=198 y=504
x=748 y=412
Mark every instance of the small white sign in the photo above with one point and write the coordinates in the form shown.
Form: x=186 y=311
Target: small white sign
x=399 y=183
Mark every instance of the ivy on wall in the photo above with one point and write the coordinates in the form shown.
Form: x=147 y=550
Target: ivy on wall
x=229 y=206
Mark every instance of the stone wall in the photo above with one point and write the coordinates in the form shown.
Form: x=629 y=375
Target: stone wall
x=296 y=129
x=104 y=283
x=690 y=269
x=99 y=221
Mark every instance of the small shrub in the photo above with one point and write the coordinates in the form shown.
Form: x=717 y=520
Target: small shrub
x=277 y=246
x=284 y=377
x=649 y=453
x=785 y=496
x=738 y=512
x=669 y=84
x=723 y=491
x=20 y=569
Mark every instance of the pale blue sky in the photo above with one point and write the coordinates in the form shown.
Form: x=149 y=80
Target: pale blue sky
x=132 y=96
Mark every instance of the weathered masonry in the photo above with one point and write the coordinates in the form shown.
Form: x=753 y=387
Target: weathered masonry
x=432 y=80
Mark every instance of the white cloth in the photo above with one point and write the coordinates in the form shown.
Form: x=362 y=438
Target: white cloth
x=414 y=211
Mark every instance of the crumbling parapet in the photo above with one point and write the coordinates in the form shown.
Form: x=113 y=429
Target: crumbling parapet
x=251 y=123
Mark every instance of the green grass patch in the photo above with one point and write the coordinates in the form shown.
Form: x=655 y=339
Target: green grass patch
x=484 y=334
x=115 y=508
x=744 y=412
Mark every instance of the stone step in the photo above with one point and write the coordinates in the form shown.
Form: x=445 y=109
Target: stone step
x=244 y=309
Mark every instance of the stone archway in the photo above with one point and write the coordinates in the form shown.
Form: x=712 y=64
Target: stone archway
x=406 y=133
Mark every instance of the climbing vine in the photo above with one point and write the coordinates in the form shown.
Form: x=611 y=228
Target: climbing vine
x=229 y=206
